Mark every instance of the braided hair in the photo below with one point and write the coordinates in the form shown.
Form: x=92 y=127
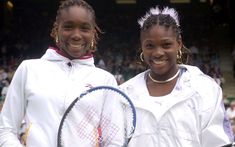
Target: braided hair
x=161 y=20
x=65 y=4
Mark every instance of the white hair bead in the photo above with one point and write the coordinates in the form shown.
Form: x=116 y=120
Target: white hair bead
x=156 y=11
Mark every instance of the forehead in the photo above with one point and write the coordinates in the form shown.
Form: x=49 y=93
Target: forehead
x=158 y=32
x=76 y=14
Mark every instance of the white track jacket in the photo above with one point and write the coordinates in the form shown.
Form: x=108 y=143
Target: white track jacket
x=40 y=92
x=192 y=115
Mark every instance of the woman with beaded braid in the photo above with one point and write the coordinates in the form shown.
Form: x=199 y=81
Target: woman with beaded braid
x=42 y=89
x=177 y=105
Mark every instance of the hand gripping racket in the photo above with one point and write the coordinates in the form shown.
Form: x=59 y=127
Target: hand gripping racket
x=103 y=116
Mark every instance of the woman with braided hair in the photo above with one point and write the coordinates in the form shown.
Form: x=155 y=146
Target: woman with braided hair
x=42 y=89
x=177 y=105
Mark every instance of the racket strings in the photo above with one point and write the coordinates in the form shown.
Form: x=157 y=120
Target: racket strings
x=106 y=130
x=81 y=128
x=97 y=119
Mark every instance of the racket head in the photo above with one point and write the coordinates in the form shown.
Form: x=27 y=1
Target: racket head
x=96 y=118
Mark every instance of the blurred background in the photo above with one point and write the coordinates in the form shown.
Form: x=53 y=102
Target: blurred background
x=207 y=30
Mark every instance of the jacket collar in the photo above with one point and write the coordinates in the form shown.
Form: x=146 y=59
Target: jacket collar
x=53 y=54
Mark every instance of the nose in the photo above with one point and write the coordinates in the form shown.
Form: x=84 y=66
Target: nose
x=76 y=35
x=158 y=52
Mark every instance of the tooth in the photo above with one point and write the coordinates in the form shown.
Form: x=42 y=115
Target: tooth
x=77 y=46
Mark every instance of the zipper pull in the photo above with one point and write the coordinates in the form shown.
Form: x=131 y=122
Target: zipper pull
x=69 y=64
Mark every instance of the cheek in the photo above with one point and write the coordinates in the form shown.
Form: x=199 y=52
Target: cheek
x=174 y=53
x=174 y=56
x=64 y=35
x=60 y=39
x=146 y=56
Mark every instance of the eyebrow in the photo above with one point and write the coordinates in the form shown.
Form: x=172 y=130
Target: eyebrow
x=80 y=24
x=162 y=40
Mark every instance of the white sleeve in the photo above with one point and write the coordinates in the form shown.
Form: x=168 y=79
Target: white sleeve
x=13 y=110
x=111 y=81
x=216 y=129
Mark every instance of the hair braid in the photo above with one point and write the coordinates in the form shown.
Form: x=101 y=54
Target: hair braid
x=161 y=20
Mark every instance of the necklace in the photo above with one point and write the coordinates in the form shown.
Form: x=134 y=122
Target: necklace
x=165 y=81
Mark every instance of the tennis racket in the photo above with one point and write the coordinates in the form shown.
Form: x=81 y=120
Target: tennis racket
x=100 y=117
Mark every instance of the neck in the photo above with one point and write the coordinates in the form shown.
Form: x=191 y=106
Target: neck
x=62 y=53
x=164 y=81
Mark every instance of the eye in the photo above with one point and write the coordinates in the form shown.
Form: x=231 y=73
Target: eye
x=85 y=28
x=148 y=46
x=68 y=27
x=167 y=45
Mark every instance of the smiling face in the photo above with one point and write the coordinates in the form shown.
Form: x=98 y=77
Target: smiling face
x=160 y=46
x=75 y=31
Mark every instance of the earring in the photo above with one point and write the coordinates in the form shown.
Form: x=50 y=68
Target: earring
x=179 y=56
x=142 y=57
x=56 y=39
x=92 y=44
